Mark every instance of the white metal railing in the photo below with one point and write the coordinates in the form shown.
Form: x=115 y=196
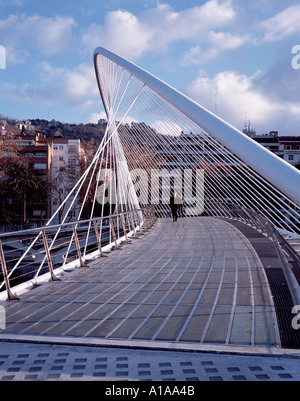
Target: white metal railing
x=32 y=256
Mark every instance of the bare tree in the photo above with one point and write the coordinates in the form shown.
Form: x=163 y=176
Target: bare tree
x=21 y=186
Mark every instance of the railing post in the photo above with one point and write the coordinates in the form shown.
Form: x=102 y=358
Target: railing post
x=152 y=216
x=124 y=228
x=77 y=246
x=53 y=277
x=144 y=212
x=132 y=223
x=148 y=219
x=98 y=240
x=10 y=295
x=113 y=233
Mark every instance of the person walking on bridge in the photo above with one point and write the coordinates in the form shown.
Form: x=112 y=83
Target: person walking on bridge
x=174 y=206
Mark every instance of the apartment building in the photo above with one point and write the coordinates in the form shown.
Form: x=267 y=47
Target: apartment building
x=57 y=161
x=65 y=171
x=286 y=147
x=291 y=149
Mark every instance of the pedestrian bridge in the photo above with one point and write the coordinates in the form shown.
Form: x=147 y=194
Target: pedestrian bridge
x=112 y=268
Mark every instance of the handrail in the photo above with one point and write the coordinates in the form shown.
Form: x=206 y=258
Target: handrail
x=80 y=230
x=56 y=226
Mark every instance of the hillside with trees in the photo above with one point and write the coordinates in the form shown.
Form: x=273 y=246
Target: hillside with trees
x=54 y=128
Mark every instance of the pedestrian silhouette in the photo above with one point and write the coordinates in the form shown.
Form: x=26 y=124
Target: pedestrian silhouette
x=174 y=207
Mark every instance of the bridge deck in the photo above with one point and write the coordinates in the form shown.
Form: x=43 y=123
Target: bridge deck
x=198 y=280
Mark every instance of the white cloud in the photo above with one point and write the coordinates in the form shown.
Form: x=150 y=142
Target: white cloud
x=56 y=86
x=219 y=42
x=36 y=33
x=95 y=117
x=157 y=28
x=283 y=24
x=169 y=26
x=81 y=82
x=234 y=96
x=16 y=57
x=91 y=104
x=122 y=32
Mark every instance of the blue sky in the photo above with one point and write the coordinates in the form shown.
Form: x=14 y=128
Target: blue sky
x=232 y=56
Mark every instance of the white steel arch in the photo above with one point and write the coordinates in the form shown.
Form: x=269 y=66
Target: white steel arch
x=277 y=171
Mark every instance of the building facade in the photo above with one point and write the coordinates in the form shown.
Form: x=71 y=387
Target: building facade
x=65 y=170
x=57 y=162
x=286 y=147
x=291 y=149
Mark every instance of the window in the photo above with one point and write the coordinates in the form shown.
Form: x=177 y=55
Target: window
x=72 y=149
x=40 y=166
x=291 y=157
x=61 y=158
x=37 y=213
x=40 y=154
x=26 y=143
x=72 y=160
x=61 y=147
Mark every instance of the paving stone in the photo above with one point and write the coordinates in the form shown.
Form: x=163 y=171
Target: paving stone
x=101 y=363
